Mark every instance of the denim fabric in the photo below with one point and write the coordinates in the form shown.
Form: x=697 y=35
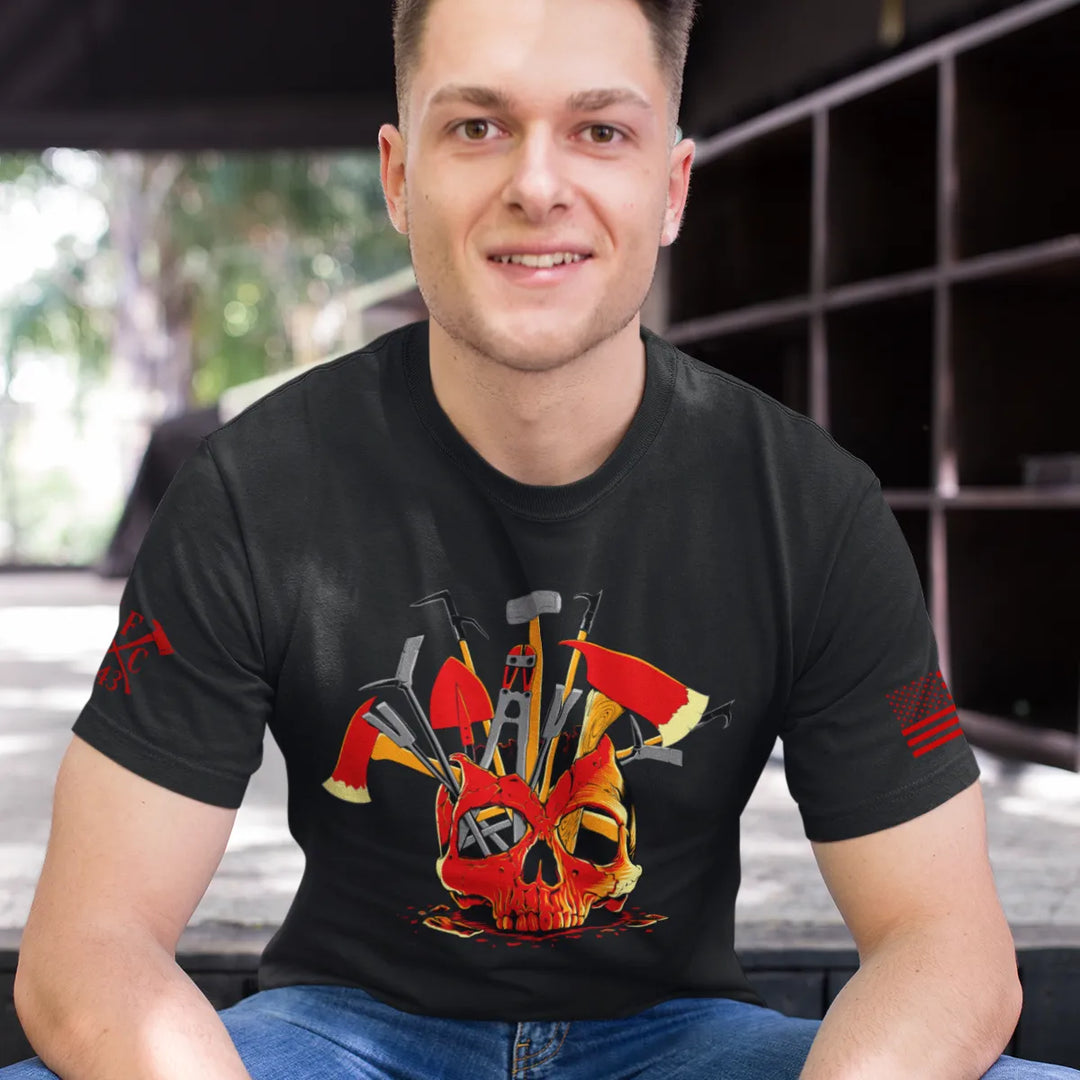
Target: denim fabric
x=330 y=1032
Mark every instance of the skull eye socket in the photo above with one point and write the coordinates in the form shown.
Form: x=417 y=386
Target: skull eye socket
x=494 y=822
x=597 y=837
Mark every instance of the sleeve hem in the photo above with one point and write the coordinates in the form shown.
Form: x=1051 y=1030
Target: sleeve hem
x=157 y=765
x=895 y=807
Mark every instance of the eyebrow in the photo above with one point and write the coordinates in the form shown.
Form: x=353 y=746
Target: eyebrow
x=486 y=97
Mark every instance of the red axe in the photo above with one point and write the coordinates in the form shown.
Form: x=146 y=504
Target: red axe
x=348 y=781
x=641 y=688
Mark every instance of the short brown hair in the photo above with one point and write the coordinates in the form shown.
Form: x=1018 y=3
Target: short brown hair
x=670 y=21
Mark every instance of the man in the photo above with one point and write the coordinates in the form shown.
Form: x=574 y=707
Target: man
x=525 y=597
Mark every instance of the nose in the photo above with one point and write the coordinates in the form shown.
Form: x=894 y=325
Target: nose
x=540 y=865
x=537 y=184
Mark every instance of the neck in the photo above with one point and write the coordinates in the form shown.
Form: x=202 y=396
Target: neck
x=541 y=427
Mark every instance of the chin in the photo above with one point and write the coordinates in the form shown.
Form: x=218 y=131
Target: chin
x=536 y=349
x=537 y=343
x=536 y=356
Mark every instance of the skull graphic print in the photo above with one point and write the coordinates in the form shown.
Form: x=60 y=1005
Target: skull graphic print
x=535 y=824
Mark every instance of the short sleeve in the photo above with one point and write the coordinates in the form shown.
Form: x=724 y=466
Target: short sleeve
x=871 y=736
x=182 y=697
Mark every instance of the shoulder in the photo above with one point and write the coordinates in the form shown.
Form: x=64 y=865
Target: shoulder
x=293 y=424
x=735 y=431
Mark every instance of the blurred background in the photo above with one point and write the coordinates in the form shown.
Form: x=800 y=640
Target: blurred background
x=136 y=287
x=883 y=233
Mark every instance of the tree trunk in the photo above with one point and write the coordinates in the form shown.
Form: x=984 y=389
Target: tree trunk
x=144 y=353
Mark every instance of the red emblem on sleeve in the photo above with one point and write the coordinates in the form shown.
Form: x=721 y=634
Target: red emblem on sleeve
x=927 y=713
x=125 y=657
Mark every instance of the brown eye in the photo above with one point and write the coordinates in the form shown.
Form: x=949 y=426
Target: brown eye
x=475 y=130
x=603 y=133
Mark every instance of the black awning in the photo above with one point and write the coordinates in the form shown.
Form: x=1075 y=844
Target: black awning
x=136 y=74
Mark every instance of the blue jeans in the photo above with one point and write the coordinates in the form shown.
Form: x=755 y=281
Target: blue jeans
x=331 y=1032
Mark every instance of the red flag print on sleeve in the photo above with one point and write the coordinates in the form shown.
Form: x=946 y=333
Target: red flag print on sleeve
x=927 y=713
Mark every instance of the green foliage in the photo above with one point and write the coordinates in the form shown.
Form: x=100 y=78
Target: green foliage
x=235 y=242
x=262 y=233
x=24 y=167
x=50 y=317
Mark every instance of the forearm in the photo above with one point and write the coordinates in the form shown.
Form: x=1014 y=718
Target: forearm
x=115 y=1006
x=924 y=1003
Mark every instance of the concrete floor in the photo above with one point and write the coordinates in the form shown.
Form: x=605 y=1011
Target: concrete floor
x=55 y=627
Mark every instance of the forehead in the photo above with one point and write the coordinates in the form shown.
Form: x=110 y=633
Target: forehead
x=536 y=50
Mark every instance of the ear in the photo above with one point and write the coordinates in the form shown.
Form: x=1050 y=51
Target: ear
x=392 y=173
x=682 y=158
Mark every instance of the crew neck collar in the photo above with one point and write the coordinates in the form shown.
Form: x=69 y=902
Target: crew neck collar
x=536 y=501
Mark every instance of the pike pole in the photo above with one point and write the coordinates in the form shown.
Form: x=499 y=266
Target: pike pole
x=546 y=760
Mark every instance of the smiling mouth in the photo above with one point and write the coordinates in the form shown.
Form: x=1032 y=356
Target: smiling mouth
x=540 y=262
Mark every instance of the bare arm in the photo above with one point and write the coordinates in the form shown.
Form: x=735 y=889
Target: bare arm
x=98 y=990
x=936 y=993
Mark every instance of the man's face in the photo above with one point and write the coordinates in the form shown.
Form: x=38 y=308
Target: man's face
x=535 y=128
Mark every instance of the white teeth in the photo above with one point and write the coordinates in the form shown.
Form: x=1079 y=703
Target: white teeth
x=542 y=262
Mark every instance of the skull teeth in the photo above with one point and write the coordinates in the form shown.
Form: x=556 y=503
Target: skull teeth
x=532 y=922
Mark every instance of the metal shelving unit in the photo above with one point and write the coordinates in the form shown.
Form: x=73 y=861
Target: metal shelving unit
x=898 y=257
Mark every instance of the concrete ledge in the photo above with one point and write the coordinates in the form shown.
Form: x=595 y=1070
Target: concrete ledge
x=771 y=935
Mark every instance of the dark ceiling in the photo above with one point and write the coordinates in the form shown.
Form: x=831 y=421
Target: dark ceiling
x=241 y=74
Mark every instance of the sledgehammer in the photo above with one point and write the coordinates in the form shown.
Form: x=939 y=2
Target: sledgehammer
x=520 y=709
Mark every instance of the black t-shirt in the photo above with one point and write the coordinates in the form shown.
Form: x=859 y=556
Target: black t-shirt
x=520 y=799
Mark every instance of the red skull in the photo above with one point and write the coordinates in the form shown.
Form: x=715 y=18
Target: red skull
x=539 y=884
